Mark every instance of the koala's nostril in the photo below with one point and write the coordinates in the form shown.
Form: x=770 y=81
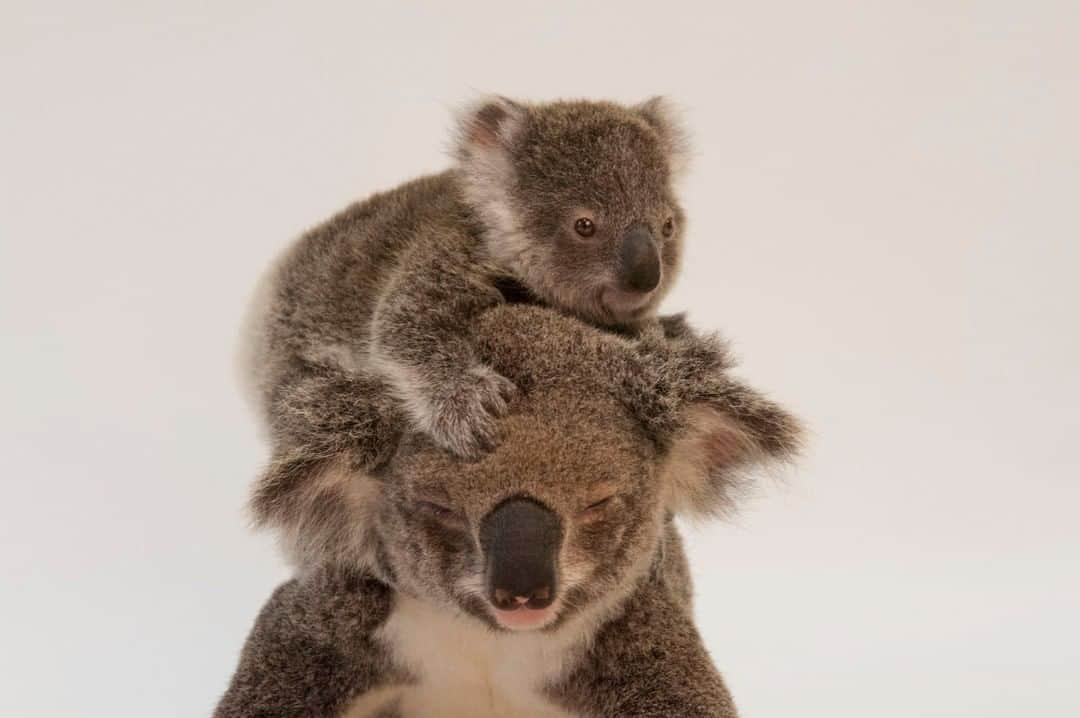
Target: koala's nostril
x=541 y=598
x=505 y=600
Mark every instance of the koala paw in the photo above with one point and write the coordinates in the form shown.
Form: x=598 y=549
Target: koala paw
x=464 y=417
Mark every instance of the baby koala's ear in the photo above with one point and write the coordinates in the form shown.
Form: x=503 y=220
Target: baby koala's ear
x=662 y=117
x=486 y=134
x=720 y=441
x=488 y=125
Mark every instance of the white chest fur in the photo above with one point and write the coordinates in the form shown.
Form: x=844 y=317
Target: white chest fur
x=465 y=669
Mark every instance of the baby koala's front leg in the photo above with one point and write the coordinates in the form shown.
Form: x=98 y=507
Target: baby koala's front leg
x=460 y=412
x=455 y=401
x=420 y=344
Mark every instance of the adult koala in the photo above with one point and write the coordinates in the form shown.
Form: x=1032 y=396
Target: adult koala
x=546 y=578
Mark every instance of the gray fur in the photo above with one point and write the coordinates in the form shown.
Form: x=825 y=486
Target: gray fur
x=653 y=417
x=389 y=286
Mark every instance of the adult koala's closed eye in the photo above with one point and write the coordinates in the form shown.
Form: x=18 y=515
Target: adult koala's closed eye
x=545 y=579
x=572 y=201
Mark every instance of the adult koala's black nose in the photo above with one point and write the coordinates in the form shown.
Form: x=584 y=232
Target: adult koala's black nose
x=521 y=539
x=639 y=261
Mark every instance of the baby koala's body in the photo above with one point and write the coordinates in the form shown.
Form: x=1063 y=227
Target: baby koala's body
x=571 y=202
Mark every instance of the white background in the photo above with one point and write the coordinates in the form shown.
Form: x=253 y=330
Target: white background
x=885 y=219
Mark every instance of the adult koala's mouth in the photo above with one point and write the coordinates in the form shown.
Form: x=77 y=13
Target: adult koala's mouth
x=520 y=620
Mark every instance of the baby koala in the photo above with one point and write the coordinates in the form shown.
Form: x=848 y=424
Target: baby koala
x=568 y=204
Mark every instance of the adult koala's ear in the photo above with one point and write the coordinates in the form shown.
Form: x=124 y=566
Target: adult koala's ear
x=321 y=487
x=719 y=441
x=662 y=117
x=321 y=508
x=486 y=133
x=713 y=431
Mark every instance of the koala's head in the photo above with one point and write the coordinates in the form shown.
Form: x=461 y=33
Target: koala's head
x=551 y=521
x=577 y=200
x=609 y=439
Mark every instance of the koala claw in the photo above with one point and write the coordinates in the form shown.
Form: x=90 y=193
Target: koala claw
x=464 y=419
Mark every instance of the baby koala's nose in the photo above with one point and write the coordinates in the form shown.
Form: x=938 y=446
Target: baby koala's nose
x=639 y=261
x=521 y=539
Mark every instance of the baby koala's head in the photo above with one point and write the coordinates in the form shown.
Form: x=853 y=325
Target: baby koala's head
x=576 y=200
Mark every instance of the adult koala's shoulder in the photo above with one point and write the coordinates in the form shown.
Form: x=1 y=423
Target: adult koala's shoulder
x=568 y=203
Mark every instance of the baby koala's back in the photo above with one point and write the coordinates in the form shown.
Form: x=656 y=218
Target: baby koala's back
x=320 y=293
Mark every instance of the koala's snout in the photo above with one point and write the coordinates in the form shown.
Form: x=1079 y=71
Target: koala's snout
x=521 y=539
x=639 y=261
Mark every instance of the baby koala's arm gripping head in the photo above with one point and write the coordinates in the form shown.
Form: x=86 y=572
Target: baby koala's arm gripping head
x=420 y=342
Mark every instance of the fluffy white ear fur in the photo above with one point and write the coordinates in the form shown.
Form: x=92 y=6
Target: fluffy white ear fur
x=487 y=130
x=664 y=118
x=488 y=123
x=707 y=462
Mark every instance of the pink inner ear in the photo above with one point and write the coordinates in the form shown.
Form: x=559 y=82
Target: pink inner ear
x=722 y=446
x=714 y=438
x=484 y=127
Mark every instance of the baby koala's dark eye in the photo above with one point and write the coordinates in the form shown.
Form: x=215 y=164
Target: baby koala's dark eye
x=585 y=227
x=669 y=227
